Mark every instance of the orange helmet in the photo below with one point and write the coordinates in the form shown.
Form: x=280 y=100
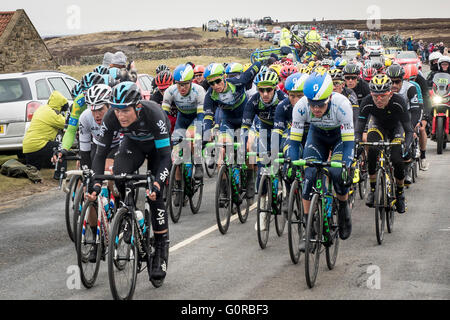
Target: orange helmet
x=199 y=69
x=411 y=71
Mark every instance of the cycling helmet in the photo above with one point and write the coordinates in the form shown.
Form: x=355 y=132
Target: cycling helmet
x=90 y=79
x=295 y=82
x=184 y=72
x=101 y=69
x=287 y=62
x=319 y=69
x=311 y=64
x=234 y=68
x=369 y=73
x=76 y=90
x=327 y=62
x=276 y=68
x=98 y=95
x=340 y=63
x=287 y=70
x=214 y=70
x=435 y=56
x=306 y=70
x=411 y=71
x=380 y=83
x=266 y=78
x=161 y=67
x=246 y=66
x=318 y=87
x=114 y=72
x=336 y=74
x=125 y=94
x=395 y=71
x=387 y=62
x=443 y=59
x=164 y=79
x=351 y=68
x=199 y=69
x=378 y=66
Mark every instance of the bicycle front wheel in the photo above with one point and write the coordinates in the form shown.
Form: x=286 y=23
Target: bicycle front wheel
x=77 y=208
x=280 y=217
x=363 y=176
x=175 y=194
x=70 y=206
x=88 y=261
x=196 y=200
x=264 y=211
x=380 y=206
x=123 y=256
x=295 y=218
x=223 y=200
x=332 y=250
x=314 y=229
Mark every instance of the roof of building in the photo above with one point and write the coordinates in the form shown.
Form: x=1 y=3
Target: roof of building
x=5 y=18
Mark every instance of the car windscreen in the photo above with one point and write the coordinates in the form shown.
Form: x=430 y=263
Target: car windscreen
x=407 y=55
x=12 y=90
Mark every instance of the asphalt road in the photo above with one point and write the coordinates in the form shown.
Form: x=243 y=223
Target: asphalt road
x=37 y=258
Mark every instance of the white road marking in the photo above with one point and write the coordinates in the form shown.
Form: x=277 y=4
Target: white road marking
x=205 y=232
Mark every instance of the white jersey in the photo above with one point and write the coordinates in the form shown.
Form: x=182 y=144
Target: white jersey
x=90 y=131
x=189 y=104
x=339 y=115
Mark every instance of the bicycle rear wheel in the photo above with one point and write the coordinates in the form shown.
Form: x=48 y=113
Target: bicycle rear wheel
x=223 y=200
x=175 y=194
x=295 y=225
x=314 y=229
x=70 y=207
x=123 y=256
x=380 y=206
x=280 y=218
x=363 y=176
x=264 y=210
x=86 y=242
x=332 y=251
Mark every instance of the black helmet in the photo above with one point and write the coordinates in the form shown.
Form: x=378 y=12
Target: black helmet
x=161 y=67
x=125 y=94
x=395 y=71
x=90 y=79
x=377 y=65
x=351 y=68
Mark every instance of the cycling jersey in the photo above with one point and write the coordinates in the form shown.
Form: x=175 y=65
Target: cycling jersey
x=351 y=96
x=192 y=103
x=361 y=90
x=78 y=106
x=148 y=136
x=336 y=121
x=410 y=94
x=232 y=101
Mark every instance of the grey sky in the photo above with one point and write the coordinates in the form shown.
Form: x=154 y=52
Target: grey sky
x=54 y=18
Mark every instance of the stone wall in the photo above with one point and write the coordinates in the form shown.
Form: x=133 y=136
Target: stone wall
x=24 y=50
x=178 y=53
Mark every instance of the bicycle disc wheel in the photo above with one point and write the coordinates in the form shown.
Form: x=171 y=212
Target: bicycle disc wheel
x=380 y=206
x=264 y=210
x=175 y=194
x=86 y=241
x=332 y=251
x=313 y=240
x=122 y=257
x=70 y=208
x=295 y=225
x=280 y=218
x=223 y=200
x=196 y=200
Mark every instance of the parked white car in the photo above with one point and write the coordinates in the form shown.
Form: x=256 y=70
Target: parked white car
x=20 y=95
x=352 y=44
x=249 y=33
x=276 y=39
x=374 y=48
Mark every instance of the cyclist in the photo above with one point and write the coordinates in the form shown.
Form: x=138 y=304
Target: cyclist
x=331 y=130
x=378 y=66
x=285 y=72
x=101 y=69
x=164 y=80
x=390 y=119
x=340 y=63
x=198 y=77
x=409 y=92
x=188 y=97
x=159 y=68
x=368 y=74
x=354 y=82
x=263 y=105
x=145 y=128
x=339 y=86
x=229 y=97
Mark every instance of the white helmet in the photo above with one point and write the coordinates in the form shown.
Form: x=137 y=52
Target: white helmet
x=443 y=59
x=98 y=95
x=435 y=55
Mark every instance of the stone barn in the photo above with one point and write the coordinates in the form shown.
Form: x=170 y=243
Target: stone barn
x=21 y=46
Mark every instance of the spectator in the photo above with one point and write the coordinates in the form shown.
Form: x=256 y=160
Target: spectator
x=38 y=142
x=441 y=47
x=237 y=32
x=409 y=45
x=227 y=32
x=119 y=60
x=107 y=59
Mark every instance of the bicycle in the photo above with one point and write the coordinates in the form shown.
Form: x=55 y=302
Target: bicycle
x=86 y=241
x=322 y=224
x=359 y=172
x=271 y=194
x=231 y=189
x=186 y=187
x=414 y=166
x=132 y=240
x=384 y=197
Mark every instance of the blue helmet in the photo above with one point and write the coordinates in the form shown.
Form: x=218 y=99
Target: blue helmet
x=184 y=72
x=295 y=82
x=318 y=87
x=76 y=90
x=125 y=94
x=114 y=72
x=101 y=69
x=234 y=67
x=214 y=70
x=90 y=79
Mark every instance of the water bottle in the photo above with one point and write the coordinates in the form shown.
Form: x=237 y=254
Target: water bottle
x=275 y=185
x=140 y=218
x=329 y=205
x=189 y=169
x=236 y=175
x=104 y=195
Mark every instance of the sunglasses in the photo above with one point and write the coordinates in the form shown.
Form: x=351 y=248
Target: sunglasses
x=350 y=77
x=397 y=81
x=380 y=95
x=213 y=83
x=262 y=90
x=337 y=82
